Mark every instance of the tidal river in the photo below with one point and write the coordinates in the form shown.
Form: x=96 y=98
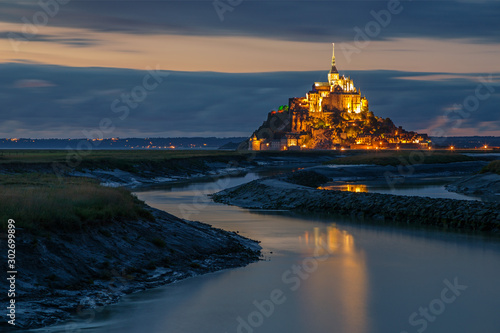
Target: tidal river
x=319 y=274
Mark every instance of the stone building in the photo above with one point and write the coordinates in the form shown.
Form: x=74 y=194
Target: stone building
x=332 y=114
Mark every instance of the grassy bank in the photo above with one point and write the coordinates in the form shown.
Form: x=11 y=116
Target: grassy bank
x=492 y=167
x=139 y=162
x=44 y=156
x=46 y=202
x=184 y=163
x=403 y=157
x=128 y=160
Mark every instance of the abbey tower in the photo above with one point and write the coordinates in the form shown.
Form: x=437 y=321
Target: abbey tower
x=332 y=114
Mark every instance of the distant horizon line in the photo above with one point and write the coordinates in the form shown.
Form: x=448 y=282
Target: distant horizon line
x=210 y=137
x=141 y=138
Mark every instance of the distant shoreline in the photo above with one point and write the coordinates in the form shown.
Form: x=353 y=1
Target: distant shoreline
x=203 y=143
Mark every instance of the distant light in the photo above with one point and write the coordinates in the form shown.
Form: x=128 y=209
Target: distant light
x=452 y=147
x=485 y=147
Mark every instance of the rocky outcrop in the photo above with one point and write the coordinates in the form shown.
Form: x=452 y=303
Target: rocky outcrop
x=443 y=213
x=485 y=184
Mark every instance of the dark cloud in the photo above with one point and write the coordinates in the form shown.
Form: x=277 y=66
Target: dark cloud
x=319 y=21
x=32 y=83
x=191 y=103
x=72 y=41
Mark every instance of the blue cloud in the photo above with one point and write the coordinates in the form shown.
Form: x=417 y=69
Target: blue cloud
x=321 y=21
x=69 y=100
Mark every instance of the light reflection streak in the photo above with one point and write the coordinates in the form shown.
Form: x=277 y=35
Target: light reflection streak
x=341 y=282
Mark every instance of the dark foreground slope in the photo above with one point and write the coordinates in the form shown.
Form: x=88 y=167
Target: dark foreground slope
x=79 y=246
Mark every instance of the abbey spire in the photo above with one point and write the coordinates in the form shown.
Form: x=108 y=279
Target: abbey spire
x=333 y=75
x=332 y=115
x=334 y=68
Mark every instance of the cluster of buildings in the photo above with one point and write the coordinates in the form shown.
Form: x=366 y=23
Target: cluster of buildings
x=332 y=115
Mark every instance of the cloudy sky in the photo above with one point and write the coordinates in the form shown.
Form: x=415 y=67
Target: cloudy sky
x=215 y=68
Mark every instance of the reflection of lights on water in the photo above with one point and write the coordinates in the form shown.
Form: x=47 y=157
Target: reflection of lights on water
x=316 y=237
x=358 y=188
x=348 y=242
x=331 y=241
x=343 y=277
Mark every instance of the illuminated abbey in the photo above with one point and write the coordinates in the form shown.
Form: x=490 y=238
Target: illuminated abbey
x=332 y=115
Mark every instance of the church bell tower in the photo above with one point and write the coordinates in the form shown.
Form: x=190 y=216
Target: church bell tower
x=333 y=75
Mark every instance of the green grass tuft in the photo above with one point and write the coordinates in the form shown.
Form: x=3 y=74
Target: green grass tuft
x=493 y=166
x=46 y=202
x=105 y=158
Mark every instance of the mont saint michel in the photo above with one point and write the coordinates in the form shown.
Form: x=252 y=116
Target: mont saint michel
x=219 y=166
x=333 y=114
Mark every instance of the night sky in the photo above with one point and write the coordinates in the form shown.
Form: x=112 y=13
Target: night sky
x=216 y=68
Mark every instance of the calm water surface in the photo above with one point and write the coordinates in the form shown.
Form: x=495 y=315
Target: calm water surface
x=324 y=275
